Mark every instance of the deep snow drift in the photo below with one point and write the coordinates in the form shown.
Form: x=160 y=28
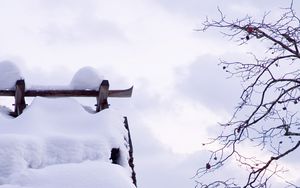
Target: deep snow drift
x=56 y=143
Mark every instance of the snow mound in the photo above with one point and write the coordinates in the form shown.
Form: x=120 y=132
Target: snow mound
x=20 y=152
x=55 y=139
x=9 y=74
x=85 y=175
x=86 y=78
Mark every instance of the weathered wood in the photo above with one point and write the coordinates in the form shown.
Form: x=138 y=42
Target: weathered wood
x=7 y=93
x=130 y=160
x=69 y=93
x=115 y=156
x=102 y=102
x=102 y=94
x=120 y=93
x=20 y=104
x=61 y=93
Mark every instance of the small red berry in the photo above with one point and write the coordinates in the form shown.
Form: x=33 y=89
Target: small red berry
x=250 y=29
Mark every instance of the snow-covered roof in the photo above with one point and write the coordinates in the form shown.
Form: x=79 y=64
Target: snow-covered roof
x=56 y=143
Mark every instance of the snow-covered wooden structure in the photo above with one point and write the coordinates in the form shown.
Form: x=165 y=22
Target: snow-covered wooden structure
x=102 y=94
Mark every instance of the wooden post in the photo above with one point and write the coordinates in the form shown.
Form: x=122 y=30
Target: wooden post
x=130 y=160
x=115 y=156
x=102 y=102
x=20 y=104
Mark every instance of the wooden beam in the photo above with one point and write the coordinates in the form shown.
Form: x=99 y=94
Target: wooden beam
x=20 y=104
x=7 y=93
x=120 y=93
x=102 y=94
x=102 y=102
x=69 y=93
x=61 y=93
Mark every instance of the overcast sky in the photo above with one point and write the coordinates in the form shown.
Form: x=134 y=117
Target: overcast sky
x=179 y=91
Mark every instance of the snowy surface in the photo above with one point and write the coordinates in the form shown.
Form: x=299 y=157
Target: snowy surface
x=56 y=143
x=86 y=78
x=9 y=74
x=83 y=175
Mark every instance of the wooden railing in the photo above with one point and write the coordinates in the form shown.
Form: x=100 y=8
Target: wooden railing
x=101 y=94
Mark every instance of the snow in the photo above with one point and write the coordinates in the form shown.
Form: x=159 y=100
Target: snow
x=56 y=143
x=9 y=74
x=74 y=175
x=86 y=78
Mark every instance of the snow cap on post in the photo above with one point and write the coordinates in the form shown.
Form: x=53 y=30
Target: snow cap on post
x=86 y=78
x=9 y=74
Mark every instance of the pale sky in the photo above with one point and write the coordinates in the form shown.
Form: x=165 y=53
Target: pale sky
x=180 y=94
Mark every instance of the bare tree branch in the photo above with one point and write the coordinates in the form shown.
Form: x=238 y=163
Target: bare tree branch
x=267 y=114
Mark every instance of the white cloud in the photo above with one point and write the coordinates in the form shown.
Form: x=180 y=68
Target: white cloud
x=168 y=170
x=207 y=83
